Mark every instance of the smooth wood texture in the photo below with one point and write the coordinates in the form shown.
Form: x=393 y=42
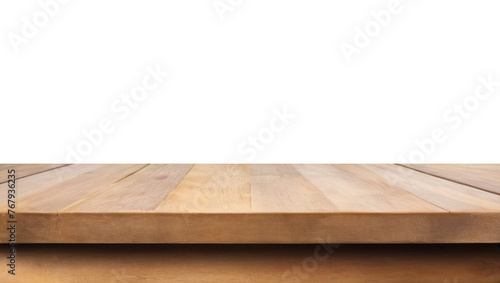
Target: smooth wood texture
x=451 y=196
x=483 y=176
x=256 y=228
x=355 y=188
x=69 y=190
x=24 y=170
x=281 y=188
x=211 y=188
x=256 y=263
x=347 y=203
x=142 y=191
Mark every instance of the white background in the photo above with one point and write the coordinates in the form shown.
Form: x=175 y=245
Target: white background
x=227 y=76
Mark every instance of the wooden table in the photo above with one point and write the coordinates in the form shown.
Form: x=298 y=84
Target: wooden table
x=184 y=203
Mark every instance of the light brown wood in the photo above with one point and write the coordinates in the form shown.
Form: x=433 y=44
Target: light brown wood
x=142 y=191
x=353 y=188
x=483 y=176
x=24 y=170
x=41 y=182
x=281 y=188
x=257 y=228
x=448 y=195
x=71 y=189
x=347 y=203
x=211 y=188
x=256 y=263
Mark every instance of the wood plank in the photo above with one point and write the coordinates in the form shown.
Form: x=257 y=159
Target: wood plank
x=481 y=176
x=71 y=188
x=281 y=188
x=24 y=170
x=376 y=203
x=244 y=228
x=141 y=191
x=449 y=195
x=211 y=188
x=354 y=188
x=257 y=263
x=40 y=182
x=43 y=181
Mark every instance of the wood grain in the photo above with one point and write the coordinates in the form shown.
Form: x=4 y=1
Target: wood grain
x=257 y=263
x=257 y=228
x=211 y=188
x=262 y=203
x=70 y=189
x=451 y=196
x=24 y=170
x=141 y=191
x=354 y=188
x=281 y=188
x=482 y=176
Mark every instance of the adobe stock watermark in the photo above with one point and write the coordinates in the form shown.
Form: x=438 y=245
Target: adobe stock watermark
x=122 y=106
x=222 y=7
x=31 y=27
x=302 y=271
x=454 y=118
x=363 y=35
x=255 y=143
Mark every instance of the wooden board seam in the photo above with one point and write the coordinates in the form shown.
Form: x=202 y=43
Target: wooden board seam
x=46 y=170
x=98 y=191
x=447 y=179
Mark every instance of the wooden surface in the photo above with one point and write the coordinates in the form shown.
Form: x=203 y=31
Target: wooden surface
x=26 y=169
x=134 y=203
x=483 y=176
x=256 y=263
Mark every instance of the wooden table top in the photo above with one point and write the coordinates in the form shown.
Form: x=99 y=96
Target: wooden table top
x=263 y=203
